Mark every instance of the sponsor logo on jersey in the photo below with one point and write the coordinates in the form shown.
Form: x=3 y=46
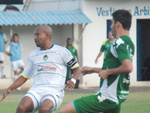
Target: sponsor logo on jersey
x=101 y=98
x=45 y=68
x=45 y=57
x=119 y=42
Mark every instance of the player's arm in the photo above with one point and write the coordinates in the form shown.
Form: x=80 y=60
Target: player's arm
x=102 y=49
x=99 y=54
x=89 y=70
x=75 y=66
x=21 y=80
x=126 y=67
x=124 y=57
x=7 y=52
x=6 y=42
x=77 y=56
x=27 y=74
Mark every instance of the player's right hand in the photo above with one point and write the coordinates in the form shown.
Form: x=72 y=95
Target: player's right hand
x=86 y=70
x=96 y=61
x=7 y=92
x=70 y=85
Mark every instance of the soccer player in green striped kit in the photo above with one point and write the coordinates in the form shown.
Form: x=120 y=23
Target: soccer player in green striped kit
x=115 y=78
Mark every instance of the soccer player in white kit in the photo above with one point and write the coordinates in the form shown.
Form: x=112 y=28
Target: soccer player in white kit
x=47 y=65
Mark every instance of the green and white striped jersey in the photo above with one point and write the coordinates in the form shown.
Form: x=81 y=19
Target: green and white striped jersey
x=116 y=87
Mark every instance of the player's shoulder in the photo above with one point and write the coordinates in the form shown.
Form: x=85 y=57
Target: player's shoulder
x=123 y=40
x=59 y=49
x=74 y=46
x=34 y=52
x=104 y=42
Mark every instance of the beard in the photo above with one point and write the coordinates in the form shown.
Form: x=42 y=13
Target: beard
x=37 y=43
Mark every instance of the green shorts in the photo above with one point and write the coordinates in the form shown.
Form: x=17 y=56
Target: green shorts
x=96 y=104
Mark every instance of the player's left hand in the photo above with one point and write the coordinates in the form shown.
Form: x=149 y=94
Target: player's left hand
x=103 y=74
x=7 y=92
x=70 y=85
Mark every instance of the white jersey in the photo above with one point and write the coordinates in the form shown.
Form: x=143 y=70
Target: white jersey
x=48 y=67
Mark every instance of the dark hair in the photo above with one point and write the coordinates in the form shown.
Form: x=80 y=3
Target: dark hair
x=68 y=39
x=124 y=17
x=12 y=40
x=10 y=7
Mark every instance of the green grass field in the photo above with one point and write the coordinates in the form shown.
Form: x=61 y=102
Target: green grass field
x=137 y=102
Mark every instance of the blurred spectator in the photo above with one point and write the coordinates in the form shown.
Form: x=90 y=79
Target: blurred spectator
x=105 y=47
x=3 y=41
x=14 y=50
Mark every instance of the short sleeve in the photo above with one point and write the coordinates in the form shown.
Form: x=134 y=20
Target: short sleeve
x=102 y=49
x=67 y=56
x=28 y=70
x=76 y=52
x=122 y=51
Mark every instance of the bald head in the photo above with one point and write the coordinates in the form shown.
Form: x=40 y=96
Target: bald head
x=42 y=36
x=45 y=29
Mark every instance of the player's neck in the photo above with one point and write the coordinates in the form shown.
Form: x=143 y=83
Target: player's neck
x=69 y=46
x=46 y=46
x=121 y=33
x=111 y=40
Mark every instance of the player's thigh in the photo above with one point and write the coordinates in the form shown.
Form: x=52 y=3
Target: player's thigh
x=14 y=66
x=93 y=104
x=51 y=101
x=47 y=105
x=35 y=98
x=68 y=108
x=26 y=104
x=20 y=64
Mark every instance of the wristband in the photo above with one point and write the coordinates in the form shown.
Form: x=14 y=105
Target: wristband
x=73 y=80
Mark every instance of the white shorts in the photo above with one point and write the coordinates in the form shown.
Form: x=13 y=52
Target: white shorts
x=2 y=56
x=16 y=65
x=39 y=94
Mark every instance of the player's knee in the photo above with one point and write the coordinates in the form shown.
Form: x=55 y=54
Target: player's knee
x=20 y=109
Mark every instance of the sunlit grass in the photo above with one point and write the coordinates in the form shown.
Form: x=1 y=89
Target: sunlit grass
x=137 y=102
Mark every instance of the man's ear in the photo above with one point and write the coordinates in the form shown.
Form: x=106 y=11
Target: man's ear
x=118 y=24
